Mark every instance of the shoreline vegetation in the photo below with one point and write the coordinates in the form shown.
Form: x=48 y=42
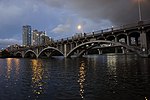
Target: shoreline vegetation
x=5 y=54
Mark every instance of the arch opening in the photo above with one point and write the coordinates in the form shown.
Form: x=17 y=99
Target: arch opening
x=122 y=38
x=134 y=39
x=101 y=38
x=49 y=52
x=30 y=54
x=18 y=55
x=110 y=38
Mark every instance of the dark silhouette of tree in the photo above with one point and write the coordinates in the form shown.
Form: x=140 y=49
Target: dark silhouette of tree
x=5 y=53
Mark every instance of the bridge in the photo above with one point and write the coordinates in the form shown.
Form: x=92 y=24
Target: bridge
x=131 y=38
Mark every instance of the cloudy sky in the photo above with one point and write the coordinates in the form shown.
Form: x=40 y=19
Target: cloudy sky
x=59 y=18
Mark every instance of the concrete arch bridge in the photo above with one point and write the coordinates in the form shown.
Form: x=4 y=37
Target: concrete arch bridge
x=98 y=46
x=133 y=38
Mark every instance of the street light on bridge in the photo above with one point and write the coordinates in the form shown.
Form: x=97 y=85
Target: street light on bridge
x=139 y=8
x=79 y=27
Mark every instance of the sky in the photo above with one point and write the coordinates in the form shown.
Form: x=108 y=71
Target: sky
x=60 y=18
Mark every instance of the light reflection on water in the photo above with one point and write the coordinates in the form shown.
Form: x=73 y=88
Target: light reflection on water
x=12 y=64
x=9 y=67
x=111 y=65
x=102 y=77
x=17 y=64
x=82 y=75
x=37 y=76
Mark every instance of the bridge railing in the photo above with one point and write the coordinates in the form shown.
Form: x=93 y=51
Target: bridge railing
x=111 y=29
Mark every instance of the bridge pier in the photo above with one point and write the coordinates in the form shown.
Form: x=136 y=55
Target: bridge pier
x=23 y=53
x=116 y=50
x=143 y=40
x=100 y=51
x=123 y=50
x=128 y=41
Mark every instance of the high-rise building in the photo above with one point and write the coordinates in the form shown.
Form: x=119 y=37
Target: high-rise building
x=42 y=37
x=26 y=35
x=37 y=37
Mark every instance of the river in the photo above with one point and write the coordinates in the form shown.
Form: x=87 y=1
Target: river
x=103 y=77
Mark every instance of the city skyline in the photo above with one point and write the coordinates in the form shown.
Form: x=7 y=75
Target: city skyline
x=60 y=18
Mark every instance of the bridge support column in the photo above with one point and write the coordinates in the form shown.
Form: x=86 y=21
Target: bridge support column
x=116 y=40
x=23 y=52
x=71 y=45
x=76 y=44
x=100 y=52
x=128 y=42
x=136 y=41
x=65 y=50
x=123 y=50
x=143 y=40
x=62 y=48
x=37 y=52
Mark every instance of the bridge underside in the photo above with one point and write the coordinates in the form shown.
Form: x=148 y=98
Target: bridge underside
x=100 y=47
x=49 y=53
x=18 y=55
x=30 y=54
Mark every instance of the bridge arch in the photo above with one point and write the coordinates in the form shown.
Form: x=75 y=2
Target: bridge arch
x=101 y=38
x=18 y=54
x=122 y=38
x=110 y=38
x=134 y=38
x=97 y=42
x=50 y=48
x=121 y=34
x=30 y=53
x=132 y=32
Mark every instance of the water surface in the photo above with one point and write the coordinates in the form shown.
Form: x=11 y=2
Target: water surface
x=104 y=77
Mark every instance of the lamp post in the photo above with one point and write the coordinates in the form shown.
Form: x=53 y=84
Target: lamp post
x=140 y=13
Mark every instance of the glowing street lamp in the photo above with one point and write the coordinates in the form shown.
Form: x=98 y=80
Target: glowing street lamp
x=79 y=27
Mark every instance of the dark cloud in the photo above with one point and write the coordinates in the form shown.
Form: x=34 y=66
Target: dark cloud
x=117 y=11
x=55 y=3
x=52 y=16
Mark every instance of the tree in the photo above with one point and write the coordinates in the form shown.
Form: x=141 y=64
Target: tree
x=5 y=53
